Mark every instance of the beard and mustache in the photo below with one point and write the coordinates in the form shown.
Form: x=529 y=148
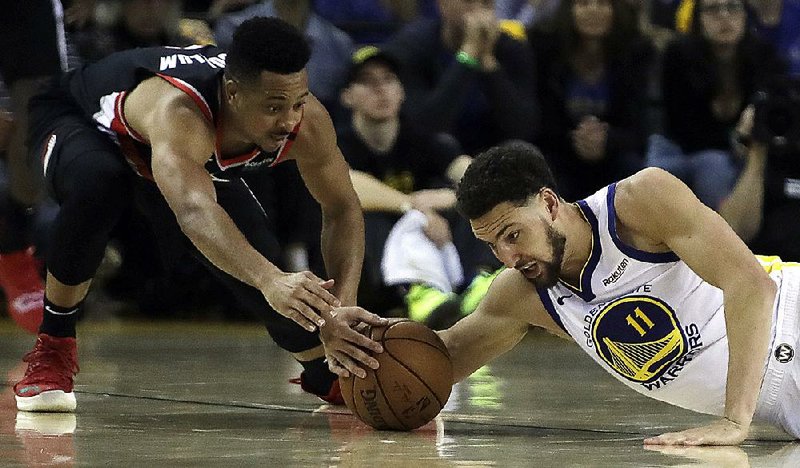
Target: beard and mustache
x=550 y=271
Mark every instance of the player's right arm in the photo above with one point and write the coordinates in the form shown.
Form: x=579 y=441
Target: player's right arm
x=497 y=325
x=182 y=140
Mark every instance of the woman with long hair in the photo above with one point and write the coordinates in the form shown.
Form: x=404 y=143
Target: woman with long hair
x=708 y=78
x=592 y=64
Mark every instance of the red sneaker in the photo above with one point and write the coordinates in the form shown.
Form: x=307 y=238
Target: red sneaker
x=333 y=397
x=47 y=385
x=20 y=280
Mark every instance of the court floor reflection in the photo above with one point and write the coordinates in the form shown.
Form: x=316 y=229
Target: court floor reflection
x=218 y=395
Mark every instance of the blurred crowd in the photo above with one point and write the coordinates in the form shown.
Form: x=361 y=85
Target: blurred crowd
x=603 y=87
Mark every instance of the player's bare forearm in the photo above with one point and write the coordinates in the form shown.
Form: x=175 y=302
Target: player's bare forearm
x=190 y=194
x=216 y=236
x=748 y=320
x=342 y=241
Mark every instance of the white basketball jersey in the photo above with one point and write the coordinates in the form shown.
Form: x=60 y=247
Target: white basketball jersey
x=645 y=317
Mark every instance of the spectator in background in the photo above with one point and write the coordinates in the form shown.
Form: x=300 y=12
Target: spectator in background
x=465 y=75
x=401 y=172
x=764 y=206
x=708 y=77
x=591 y=73
x=778 y=22
x=330 y=47
x=140 y=23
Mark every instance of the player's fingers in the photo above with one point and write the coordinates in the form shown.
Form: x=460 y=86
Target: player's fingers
x=355 y=314
x=322 y=298
x=357 y=339
x=349 y=364
x=308 y=313
x=314 y=302
x=670 y=438
x=358 y=355
x=335 y=367
x=324 y=284
x=372 y=319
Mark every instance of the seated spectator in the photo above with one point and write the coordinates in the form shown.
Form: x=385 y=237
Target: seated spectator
x=591 y=73
x=401 y=172
x=707 y=79
x=466 y=75
x=330 y=46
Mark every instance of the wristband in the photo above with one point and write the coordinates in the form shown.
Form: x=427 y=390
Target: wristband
x=467 y=60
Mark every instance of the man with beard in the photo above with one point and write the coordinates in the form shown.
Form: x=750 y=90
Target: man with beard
x=650 y=282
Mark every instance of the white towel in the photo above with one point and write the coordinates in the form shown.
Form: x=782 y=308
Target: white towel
x=409 y=256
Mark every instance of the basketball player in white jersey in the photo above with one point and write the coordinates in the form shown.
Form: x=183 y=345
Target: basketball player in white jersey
x=650 y=282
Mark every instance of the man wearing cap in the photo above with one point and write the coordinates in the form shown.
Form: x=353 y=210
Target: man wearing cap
x=402 y=175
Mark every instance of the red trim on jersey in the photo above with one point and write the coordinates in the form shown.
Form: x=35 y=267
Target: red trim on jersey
x=289 y=142
x=125 y=136
x=116 y=123
x=192 y=92
x=225 y=163
x=135 y=160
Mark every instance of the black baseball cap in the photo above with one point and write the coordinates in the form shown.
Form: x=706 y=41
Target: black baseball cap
x=370 y=54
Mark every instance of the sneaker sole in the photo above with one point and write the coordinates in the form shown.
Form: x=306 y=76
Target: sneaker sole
x=52 y=401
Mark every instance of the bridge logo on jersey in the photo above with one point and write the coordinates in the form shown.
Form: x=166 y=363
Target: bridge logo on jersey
x=639 y=337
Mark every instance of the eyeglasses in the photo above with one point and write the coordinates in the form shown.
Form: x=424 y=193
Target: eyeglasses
x=727 y=7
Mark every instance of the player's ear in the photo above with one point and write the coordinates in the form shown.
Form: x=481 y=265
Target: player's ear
x=231 y=88
x=551 y=202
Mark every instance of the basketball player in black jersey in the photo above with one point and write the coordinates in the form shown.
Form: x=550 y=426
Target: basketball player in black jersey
x=170 y=130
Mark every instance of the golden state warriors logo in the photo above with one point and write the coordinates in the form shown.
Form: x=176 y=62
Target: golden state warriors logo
x=639 y=337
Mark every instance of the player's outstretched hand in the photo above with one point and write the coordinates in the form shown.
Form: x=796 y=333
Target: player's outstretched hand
x=721 y=432
x=301 y=296
x=346 y=346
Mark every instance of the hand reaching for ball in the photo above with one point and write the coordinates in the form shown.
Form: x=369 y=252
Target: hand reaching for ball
x=346 y=346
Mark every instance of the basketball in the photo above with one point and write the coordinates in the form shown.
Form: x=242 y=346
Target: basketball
x=412 y=383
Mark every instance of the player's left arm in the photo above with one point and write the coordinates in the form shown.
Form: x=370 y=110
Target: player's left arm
x=656 y=206
x=327 y=176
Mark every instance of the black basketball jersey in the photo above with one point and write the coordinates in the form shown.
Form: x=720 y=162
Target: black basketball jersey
x=100 y=90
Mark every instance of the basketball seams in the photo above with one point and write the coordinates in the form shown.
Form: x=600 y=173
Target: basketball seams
x=417 y=376
x=353 y=396
x=383 y=393
x=427 y=343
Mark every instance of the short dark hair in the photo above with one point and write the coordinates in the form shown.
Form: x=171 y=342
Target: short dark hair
x=511 y=172
x=266 y=44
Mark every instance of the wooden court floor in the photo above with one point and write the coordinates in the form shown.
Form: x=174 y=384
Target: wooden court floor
x=169 y=394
